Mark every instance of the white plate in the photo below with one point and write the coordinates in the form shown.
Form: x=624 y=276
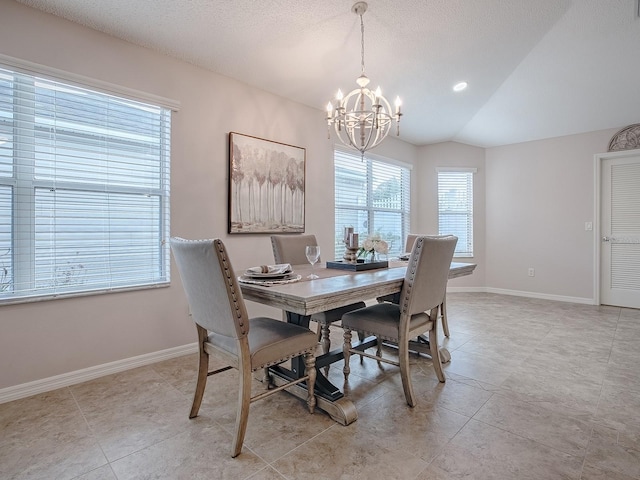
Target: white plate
x=270 y=281
x=266 y=275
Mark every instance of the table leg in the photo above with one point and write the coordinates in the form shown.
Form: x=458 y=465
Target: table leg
x=329 y=397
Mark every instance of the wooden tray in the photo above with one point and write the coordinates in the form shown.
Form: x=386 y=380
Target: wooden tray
x=359 y=266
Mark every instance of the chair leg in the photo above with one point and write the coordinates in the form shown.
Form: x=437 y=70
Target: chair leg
x=405 y=374
x=361 y=337
x=310 y=368
x=346 y=352
x=242 y=415
x=267 y=379
x=443 y=314
x=433 y=346
x=203 y=369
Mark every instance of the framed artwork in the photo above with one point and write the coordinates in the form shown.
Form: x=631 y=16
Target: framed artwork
x=266 y=186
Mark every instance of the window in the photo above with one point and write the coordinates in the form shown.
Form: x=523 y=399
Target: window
x=455 y=207
x=84 y=189
x=373 y=196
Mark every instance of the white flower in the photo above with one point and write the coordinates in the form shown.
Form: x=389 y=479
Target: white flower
x=373 y=244
x=381 y=246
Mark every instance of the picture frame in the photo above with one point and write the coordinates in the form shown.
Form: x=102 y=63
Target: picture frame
x=266 y=186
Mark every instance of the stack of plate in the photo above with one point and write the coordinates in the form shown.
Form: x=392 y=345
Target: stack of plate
x=269 y=274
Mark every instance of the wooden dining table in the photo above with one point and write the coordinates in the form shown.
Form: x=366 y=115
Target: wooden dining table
x=334 y=288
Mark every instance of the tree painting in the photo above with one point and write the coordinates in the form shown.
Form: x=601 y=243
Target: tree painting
x=266 y=186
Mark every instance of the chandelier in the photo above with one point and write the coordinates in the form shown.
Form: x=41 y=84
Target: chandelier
x=362 y=118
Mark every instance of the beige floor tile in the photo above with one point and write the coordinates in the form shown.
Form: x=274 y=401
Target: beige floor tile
x=531 y=421
x=619 y=408
x=421 y=431
x=45 y=436
x=629 y=436
x=501 y=347
x=132 y=410
x=102 y=473
x=267 y=473
x=482 y=451
x=592 y=473
x=181 y=372
x=204 y=452
x=606 y=453
x=568 y=393
x=488 y=368
x=347 y=453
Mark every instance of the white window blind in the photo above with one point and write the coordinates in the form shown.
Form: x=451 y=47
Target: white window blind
x=455 y=207
x=84 y=190
x=373 y=197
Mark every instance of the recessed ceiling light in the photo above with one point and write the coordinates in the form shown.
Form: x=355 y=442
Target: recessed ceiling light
x=458 y=87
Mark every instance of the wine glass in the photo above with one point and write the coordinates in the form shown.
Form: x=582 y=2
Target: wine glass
x=313 y=254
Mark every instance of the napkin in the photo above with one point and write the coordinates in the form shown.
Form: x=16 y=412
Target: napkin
x=281 y=268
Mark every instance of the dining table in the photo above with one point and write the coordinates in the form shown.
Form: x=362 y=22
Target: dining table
x=334 y=287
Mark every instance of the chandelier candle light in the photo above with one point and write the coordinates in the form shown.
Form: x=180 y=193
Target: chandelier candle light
x=362 y=118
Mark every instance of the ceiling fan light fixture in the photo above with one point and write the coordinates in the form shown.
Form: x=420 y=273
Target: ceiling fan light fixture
x=362 y=118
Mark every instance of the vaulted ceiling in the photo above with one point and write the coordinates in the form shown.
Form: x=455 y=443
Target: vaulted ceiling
x=535 y=68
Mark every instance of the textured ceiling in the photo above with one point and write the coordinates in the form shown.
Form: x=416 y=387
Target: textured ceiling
x=536 y=68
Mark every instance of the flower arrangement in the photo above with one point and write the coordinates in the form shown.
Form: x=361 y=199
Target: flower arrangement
x=372 y=245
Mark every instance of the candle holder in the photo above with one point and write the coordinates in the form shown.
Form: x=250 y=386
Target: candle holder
x=351 y=254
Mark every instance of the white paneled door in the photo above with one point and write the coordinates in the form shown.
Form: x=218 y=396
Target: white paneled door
x=620 y=229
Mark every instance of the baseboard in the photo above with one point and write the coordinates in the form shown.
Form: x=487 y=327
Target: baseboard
x=543 y=296
x=466 y=290
x=64 y=380
x=519 y=293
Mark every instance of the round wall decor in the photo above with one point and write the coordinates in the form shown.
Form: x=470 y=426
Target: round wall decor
x=626 y=139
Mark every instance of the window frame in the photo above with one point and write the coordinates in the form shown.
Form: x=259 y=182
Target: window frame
x=464 y=249
x=404 y=211
x=24 y=185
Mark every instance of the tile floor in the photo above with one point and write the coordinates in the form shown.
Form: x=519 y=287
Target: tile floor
x=535 y=390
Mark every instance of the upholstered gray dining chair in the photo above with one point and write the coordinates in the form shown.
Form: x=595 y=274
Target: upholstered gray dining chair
x=411 y=238
x=291 y=249
x=423 y=291
x=224 y=328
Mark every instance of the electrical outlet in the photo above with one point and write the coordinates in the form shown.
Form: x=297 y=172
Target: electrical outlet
x=588 y=226
x=532 y=272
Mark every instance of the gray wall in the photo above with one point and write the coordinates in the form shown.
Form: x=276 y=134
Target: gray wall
x=531 y=200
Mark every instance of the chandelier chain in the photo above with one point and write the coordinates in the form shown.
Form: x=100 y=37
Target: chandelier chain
x=362 y=43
